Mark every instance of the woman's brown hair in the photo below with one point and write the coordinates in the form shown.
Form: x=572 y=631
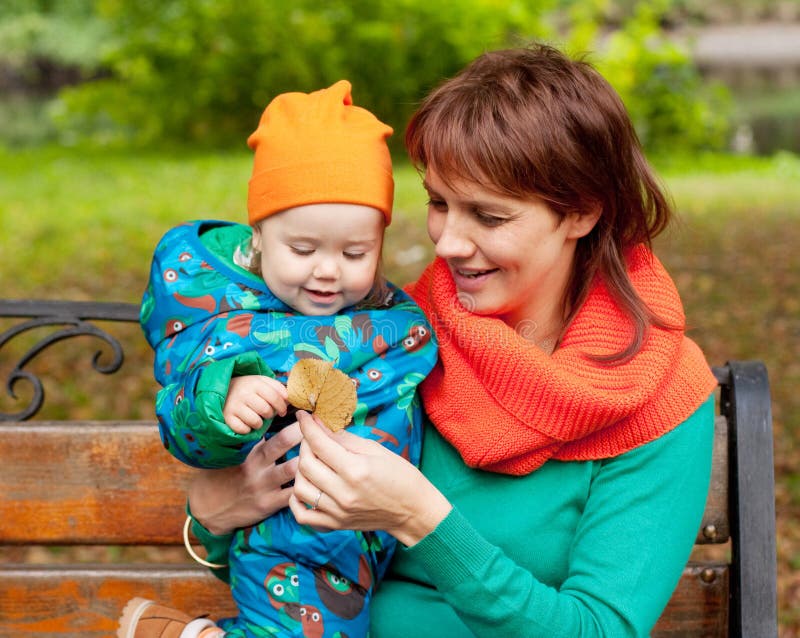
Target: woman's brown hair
x=533 y=122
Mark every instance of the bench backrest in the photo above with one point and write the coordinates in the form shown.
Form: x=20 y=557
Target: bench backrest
x=110 y=483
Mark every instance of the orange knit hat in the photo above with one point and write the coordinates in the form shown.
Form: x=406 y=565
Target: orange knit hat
x=315 y=148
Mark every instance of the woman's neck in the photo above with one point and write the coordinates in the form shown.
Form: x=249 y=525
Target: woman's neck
x=542 y=326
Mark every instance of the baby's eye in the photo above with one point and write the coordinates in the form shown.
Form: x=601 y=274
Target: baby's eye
x=352 y=255
x=302 y=250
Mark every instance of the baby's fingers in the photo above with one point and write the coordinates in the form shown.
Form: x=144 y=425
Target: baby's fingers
x=237 y=425
x=276 y=400
x=277 y=386
x=244 y=419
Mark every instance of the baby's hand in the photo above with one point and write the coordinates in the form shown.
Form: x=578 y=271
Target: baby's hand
x=251 y=399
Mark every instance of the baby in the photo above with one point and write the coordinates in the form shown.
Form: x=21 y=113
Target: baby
x=230 y=309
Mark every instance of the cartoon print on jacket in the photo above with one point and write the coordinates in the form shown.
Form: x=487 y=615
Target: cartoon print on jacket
x=209 y=320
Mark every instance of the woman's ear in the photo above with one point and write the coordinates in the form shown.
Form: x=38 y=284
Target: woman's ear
x=581 y=224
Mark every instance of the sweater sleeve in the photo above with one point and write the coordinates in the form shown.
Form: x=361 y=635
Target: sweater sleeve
x=626 y=557
x=216 y=548
x=196 y=317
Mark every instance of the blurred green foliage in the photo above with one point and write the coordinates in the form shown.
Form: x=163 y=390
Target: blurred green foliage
x=669 y=103
x=202 y=71
x=199 y=72
x=34 y=33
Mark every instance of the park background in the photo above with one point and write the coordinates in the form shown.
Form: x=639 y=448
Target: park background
x=121 y=119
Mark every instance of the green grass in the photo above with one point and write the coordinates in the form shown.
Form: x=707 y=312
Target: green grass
x=733 y=186
x=89 y=220
x=82 y=225
x=771 y=103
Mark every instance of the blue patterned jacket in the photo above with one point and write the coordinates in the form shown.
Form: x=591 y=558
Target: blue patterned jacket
x=208 y=320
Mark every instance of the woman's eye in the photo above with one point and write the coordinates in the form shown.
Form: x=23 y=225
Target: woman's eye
x=486 y=219
x=437 y=204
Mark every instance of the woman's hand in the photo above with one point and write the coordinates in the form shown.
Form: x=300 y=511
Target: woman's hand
x=346 y=482
x=223 y=500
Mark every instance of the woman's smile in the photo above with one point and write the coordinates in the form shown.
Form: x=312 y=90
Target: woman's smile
x=471 y=280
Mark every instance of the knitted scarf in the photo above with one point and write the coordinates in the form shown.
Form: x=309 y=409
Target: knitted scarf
x=508 y=407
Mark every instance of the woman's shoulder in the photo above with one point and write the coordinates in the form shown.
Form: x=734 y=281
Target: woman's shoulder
x=685 y=446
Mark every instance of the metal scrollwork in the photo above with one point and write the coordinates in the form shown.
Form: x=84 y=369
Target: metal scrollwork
x=73 y=319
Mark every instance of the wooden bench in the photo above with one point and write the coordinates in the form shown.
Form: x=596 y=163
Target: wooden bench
x=110 y=483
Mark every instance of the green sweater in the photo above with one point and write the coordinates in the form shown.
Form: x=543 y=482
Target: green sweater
x=575 y=549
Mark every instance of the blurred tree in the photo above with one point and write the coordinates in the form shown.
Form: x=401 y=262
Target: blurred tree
x=201 y=71
x=670 y=104
x=44 y=44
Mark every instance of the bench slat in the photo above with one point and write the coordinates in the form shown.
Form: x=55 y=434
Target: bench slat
x=113 y=483
x=699 y=605
x=89 y=483
x=86 y=602
x=715 y=527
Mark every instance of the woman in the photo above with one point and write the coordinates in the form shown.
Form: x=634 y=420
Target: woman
x=570 y=416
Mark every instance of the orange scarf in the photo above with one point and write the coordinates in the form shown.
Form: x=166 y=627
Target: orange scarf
x=509 y=407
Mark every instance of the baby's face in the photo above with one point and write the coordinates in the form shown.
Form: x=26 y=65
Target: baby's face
x=320 y=258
